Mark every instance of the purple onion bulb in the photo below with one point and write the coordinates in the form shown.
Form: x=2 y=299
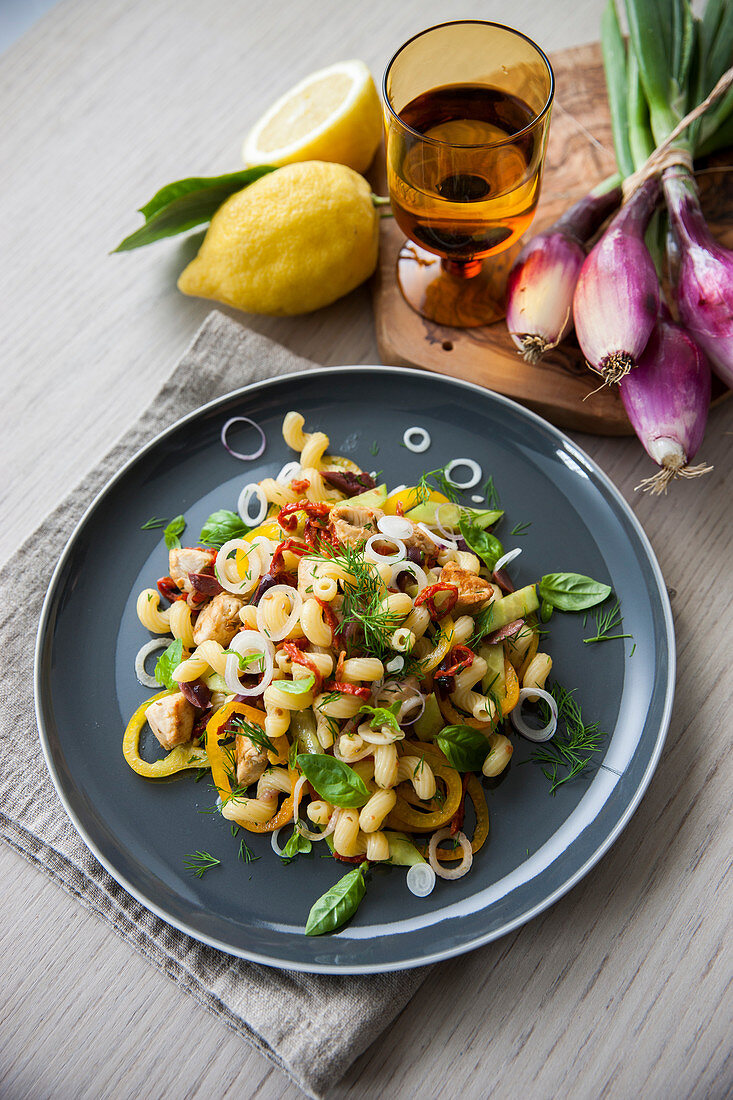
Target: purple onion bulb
x=667 y=398
x=705 y=281
x=617 y=297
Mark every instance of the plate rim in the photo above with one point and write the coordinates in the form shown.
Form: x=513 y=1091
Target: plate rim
x=477 y=941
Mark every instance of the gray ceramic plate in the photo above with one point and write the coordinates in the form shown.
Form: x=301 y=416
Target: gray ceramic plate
x=539 y=845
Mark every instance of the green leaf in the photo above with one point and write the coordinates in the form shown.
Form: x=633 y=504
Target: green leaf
x=572 y=591
x=296 y=846
x=187 y=203
x=546 y=610
x=222 y=526
x=483 y=543
x=383 y=716
x=338 y=904
x=169 y=660
x=296 y=687
x=466 y=748
x=336 y=782
x=171 y=534
x=245 y=660
x=614 y=64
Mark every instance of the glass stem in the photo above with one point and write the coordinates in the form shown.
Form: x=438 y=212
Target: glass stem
x=462 y=269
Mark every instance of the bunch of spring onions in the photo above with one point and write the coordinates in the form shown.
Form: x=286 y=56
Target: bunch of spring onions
x=670 y=91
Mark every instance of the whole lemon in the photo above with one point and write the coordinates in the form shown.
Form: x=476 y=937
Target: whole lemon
x=293 y=241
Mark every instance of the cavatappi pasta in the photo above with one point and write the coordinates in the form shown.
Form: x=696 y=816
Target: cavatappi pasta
x=346 y=669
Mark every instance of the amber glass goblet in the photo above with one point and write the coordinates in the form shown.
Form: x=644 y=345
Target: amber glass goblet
x=467 y=113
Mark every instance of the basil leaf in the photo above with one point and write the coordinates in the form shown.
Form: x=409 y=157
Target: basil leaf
x=222 y=526
x=338 y=904
x=572 y=591
x=167 y=662
x=245 y=660
x=383 y=716
x=296 y=687
x=187 y=203
x=175 y=528
x=483 y=543
x=465 y=748
x=336 y=782
x=297 y=845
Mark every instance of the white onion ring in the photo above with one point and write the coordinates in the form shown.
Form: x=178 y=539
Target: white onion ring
x=396 y=527
x=451 y=544
x=288 y=472
x=450 y=872
x=142 y=655
x=408 y=566
x=473 y=467
x=236 y=454
x=296 y=604
x=507 y=558
x=421 y=879
x=546 y=732
x=409 y=704
x=246 y=584
x=273 y=841
x=298 y=824
x=250 y=490
x=397 y=489
x=249 y=641
x=395 y=664
x=416 y=448
x=384 y=559
x=379 y=737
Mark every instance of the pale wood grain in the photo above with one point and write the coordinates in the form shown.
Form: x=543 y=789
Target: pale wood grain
x=623 y=988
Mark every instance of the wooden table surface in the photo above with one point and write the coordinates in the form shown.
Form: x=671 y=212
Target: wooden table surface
x=622 y=989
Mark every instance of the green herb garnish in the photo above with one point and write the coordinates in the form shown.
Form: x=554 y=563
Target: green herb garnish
x=168 y=661
x=334 y=781
x=222 y=526
x=572 y=591
x=172 y=532
x=251 y=730
x=607 y=621
x=465 y=748
x=152 y=523
x=574 y=743
x=383 y=716
x=296 y=846
x=338 y=904
x=198 y=863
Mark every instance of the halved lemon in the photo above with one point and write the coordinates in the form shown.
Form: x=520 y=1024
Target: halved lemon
x=333 y=115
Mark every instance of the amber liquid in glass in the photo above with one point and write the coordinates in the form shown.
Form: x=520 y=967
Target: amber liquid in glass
x=470 y=197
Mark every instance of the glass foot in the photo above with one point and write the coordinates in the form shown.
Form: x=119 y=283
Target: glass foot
x=459 y=295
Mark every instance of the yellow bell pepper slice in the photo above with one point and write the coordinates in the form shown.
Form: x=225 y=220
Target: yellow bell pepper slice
x=179 y=759
x=409 y=498
x=511 y=687
x=221 y=757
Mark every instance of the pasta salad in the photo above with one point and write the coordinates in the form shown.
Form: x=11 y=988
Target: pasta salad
x=348 y=661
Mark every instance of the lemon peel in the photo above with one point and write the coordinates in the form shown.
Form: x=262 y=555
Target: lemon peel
x=292 y=242
x=332 y=115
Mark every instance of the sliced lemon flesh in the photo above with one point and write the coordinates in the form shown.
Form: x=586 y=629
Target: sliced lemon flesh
x=333 y=115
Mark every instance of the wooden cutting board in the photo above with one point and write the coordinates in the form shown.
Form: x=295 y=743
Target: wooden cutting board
x=580 y=154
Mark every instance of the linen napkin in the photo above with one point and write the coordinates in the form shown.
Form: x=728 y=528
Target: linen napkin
x=312 y=1026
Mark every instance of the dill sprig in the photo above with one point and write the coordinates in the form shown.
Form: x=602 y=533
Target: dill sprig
x=482 y=625
x=520 y=528
x=491 y=493
x=198 y=863
x=152 y=523
x=439 y=482
x=607 y=621
x=254 y=732
x=374 y=449
x=574 y=743
x=362 y=602
x=246 y=854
